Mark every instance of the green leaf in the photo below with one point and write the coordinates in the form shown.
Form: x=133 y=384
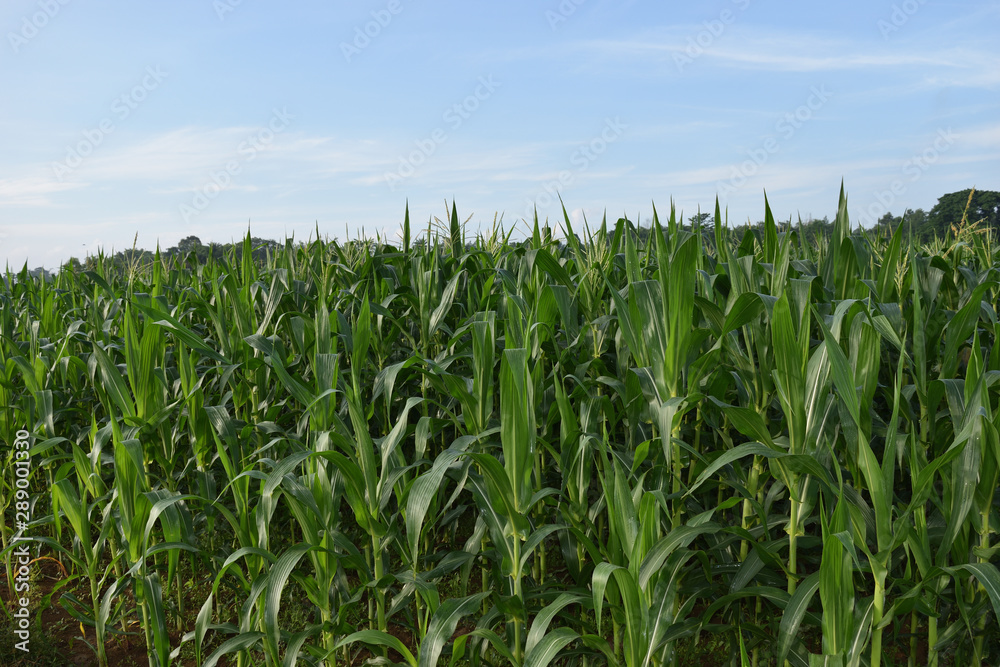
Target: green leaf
x=678 y=538
x=241 y=642
x=447 y=297
x=843 y=378
x=114 y=383
x=278 y=575
x=989 y=577
x=422 y=493
x=545 y=650
x=443 y=625
x=379 y=638
x=794 y=612
x=541 y=623
x=517 y=424
x=730 y=455
x=188 y=337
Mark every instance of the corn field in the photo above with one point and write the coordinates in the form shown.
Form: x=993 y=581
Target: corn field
x=608 y=449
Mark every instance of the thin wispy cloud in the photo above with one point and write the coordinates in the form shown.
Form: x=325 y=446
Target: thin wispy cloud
x=261 y=117
x=745 y=47
x=31 y=191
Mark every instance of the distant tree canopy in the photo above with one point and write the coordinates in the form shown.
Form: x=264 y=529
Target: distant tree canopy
x=954 y=212
x=983 y=213
x=983 y=208
x=190 y=249
x=946 y=217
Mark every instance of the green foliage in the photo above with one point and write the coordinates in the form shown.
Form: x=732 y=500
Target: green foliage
x=593 y=449
x=954 y=216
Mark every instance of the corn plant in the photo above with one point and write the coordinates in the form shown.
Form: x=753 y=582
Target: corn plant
x=572 y=448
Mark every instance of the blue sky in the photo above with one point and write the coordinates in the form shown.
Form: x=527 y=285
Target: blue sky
x=199 y=117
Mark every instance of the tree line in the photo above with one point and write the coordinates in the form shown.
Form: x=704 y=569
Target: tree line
x=954 y=213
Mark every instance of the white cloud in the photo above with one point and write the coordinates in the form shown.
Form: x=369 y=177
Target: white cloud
x=754 y=47
x=178 y=155
x=30 y=190
x=987 y=136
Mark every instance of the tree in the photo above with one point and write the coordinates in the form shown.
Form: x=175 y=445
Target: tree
x=917 y=225
x=701 y=220
x=189 y=243
x=888 y=221
x=983 y=205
